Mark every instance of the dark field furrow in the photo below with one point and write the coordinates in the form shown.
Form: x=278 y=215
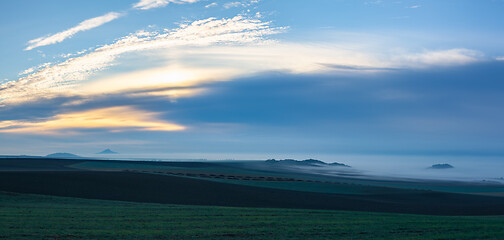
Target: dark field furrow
x=138 y=187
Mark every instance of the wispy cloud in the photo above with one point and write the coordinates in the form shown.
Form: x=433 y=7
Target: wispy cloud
x=67 y=55
x=415 y=6
x=96 y=22
x=375 y=2
x=211 y=5
x=113 y=119
x=149 y=4
x=245 y=3
x=500 y=58
x=64 y=78
x=83 y=26
x=33 y=69
x=458 y=56
x=232 y=5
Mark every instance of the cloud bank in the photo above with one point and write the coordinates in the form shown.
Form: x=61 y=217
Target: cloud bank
x=210 y=50
x=183 y=62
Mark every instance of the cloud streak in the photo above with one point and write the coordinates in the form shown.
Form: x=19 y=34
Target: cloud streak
x=83 y=26
x=114 y=119
x=149 y=4
x=457 y=56
x=240 y=4
x=232 y=5
x=214 y=4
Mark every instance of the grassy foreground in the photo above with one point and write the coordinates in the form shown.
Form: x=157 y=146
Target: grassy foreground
x=26 y=216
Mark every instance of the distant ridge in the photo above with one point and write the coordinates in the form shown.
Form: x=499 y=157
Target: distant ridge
x=63 y=156
x=441 y=166
x=19 y=156
x=307 y=162
x=107 y=151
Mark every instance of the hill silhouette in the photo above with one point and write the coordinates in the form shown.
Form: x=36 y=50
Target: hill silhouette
x=307 y=162
x=441 y=166
x=63 y=155
x=107 y=151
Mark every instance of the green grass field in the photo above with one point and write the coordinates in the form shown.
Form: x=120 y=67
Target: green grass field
x=26 y=216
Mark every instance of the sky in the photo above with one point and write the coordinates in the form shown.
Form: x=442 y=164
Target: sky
x=254 y=79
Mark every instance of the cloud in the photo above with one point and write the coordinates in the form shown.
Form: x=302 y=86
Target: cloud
x=240 y=4
x=113 y=119
x=65 y=78
x=83 y=26
x=376 y=2
x=458 y=56
x=232 y=5
x=149 y=4
x=33 y=69
x=211 y=5
x=67 y=55
x=359 y=68
x=207 y=51
x=415 y=6
x=96 y=22
x=500 y=58
x=170 y=81
x=302 y=58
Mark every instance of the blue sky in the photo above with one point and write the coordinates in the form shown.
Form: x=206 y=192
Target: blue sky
x=252 y=78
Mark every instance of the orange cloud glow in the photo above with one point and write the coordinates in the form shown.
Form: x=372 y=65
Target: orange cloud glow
x=113 y=119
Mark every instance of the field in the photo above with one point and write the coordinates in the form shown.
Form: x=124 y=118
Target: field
x=27 y=216
x=96 y=199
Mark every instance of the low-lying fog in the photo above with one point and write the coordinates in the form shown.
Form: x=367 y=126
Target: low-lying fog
x=465 y=168
x=472 y=168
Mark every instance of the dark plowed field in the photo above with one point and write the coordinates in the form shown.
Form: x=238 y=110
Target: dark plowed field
x=42 y=164
x=139 y=187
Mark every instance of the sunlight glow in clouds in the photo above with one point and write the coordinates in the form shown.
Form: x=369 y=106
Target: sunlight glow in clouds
x=64 y=78
x=170 y=81
x=209 y=50
x=83 y=26
x=113 y=119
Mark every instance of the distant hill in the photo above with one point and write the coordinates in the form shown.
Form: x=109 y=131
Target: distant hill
x=63 y=156
x=441 y=166
x=107 y=151
x=19 y=156
x=307 y=162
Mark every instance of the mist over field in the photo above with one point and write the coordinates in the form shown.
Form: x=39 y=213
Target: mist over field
x=466 y=168
x=471 y=168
